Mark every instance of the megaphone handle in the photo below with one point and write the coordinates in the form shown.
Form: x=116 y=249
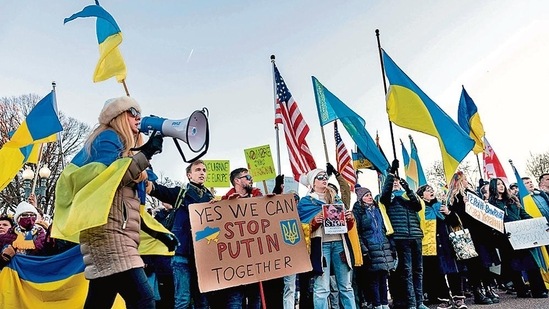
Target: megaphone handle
x=195 y=158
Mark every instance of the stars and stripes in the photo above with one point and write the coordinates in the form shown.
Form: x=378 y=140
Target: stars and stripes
x=295 y=129
x=344 y=165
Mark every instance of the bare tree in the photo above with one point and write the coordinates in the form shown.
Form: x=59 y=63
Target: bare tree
x=538 y=164
x=165 y=181
x=435 y=174
x=13 y=112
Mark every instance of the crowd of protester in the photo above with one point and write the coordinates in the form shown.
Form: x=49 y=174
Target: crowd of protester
x=395 y=250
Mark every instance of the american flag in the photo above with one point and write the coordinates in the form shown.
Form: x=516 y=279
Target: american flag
x=344 y=164
x=295 y=129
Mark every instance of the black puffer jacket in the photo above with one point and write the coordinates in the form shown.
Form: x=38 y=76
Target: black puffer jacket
x=402 y=210
x=376 y=247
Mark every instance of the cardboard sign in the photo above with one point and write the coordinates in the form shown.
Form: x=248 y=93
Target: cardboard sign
x=217 y=173
x=528 y=233
x=260 y=162
x=247 y=240
x=334 y=219
x=484 y=212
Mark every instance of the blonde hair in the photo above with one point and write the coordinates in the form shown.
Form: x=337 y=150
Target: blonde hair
x=458 y=184
x=329 y=194
x=121 y=126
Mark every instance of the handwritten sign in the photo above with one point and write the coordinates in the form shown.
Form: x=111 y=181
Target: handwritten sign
x=484 y=212
x=528 y=233
x=260 y=162
x=247 y=240
x=217 y=173
x=290 y=185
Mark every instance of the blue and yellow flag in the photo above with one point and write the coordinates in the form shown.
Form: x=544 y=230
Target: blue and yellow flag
x=330 y=108
x=409 y=107
x=40 y=126
x=415 y=165
x=469 y=120
x=109 y=38
x=55 y=281
x=540 y=253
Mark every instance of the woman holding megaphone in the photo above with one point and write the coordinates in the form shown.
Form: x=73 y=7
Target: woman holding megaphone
x=109 y=165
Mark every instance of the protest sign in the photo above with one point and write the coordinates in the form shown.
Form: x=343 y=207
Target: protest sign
x=334 y=219
x=484 y=212
x=260 y=162
x=290 y=185
x=217 y=173
x=246 y=240
x=528 y=233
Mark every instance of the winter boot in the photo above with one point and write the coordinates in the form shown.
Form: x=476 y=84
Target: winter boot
x=492 y=295
x=480 y=298
x=459 y=302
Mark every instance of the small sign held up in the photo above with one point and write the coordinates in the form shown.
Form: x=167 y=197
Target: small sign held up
x=528 y=233
x=484 y=212
x=260 y=162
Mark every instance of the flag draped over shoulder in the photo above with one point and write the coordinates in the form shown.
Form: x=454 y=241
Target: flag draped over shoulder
x=469 y=120
x=343 y=160
x=109 y=38
x=540 y=253
x=492 y=165
x=40 y=126
x=295 y=128
x=409 y=107
x=330 y=108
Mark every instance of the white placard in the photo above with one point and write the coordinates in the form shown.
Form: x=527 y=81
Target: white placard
x=528 y=233
x=484 y=212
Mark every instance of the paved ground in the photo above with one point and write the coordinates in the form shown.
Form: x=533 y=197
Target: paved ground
x=508 y=302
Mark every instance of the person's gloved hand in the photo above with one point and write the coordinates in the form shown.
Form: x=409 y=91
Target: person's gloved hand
x=366 y=258
x=480 y=183
x=394 y=167
x=404 y=185
x=279 y=184
x=508 y=234
x=169 y=240
x=8 y=253
x=330 y=169
x=152 y=146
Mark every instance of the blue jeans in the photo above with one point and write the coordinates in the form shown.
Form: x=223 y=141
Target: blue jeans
x=289 y=292
x=334 y=254
x=131 y=284
x=186 y=284
x=409 y=273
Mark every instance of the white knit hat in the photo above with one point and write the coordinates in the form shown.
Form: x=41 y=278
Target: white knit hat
x=309 y=179
x=22 y=208
x=116 y=106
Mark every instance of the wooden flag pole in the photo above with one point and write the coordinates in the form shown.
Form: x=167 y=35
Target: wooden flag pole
x=125 y=87
x=276 y=124
x=385 y=89
x=324 y=143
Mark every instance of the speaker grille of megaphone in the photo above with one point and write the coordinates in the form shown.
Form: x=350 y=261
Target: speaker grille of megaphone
x=192 y=130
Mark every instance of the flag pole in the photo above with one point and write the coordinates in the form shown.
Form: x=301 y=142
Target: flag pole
x=59 y=137
x=125 y=87
x=35 y=180
x=479 y=168
x=385 y=89
x=277 y=136
x=324 y=143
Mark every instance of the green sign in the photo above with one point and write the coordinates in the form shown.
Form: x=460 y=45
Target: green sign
x=260 y=162
x=217 y=173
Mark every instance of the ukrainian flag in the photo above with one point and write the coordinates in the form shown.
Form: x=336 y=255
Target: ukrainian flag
x=469 y=120
x=408 y=170
x=540 y=253
x=409 y=107
x=40 y=126
x=109 y=38
x=415 y=165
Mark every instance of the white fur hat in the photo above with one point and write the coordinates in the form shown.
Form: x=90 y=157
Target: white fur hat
x=116 y=106
x=22 y=208
x=309 y=179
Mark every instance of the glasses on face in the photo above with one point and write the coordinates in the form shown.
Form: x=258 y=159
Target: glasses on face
x=27 y=215
x=321 y=177
x=134 y=112
x=248 y=177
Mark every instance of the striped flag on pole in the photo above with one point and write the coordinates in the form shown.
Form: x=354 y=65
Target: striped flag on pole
x=295 y=129
x=344 y=164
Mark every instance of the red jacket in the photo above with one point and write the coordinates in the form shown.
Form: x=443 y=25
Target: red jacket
x=255 y=192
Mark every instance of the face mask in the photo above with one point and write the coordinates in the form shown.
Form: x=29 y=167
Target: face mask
x=27 y=223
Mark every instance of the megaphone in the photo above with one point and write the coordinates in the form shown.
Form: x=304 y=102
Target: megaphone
x=193 y=131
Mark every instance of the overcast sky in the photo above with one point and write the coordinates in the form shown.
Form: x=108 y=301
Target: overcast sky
x=185 y=55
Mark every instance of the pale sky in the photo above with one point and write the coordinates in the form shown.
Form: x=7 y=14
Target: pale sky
x=185 y=55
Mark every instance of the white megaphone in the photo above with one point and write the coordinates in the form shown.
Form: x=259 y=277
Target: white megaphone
x=193 y=131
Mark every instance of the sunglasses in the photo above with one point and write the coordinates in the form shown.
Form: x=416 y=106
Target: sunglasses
x=27 y=215
x=134 y=112
x=248 y=177
x=322 y=177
